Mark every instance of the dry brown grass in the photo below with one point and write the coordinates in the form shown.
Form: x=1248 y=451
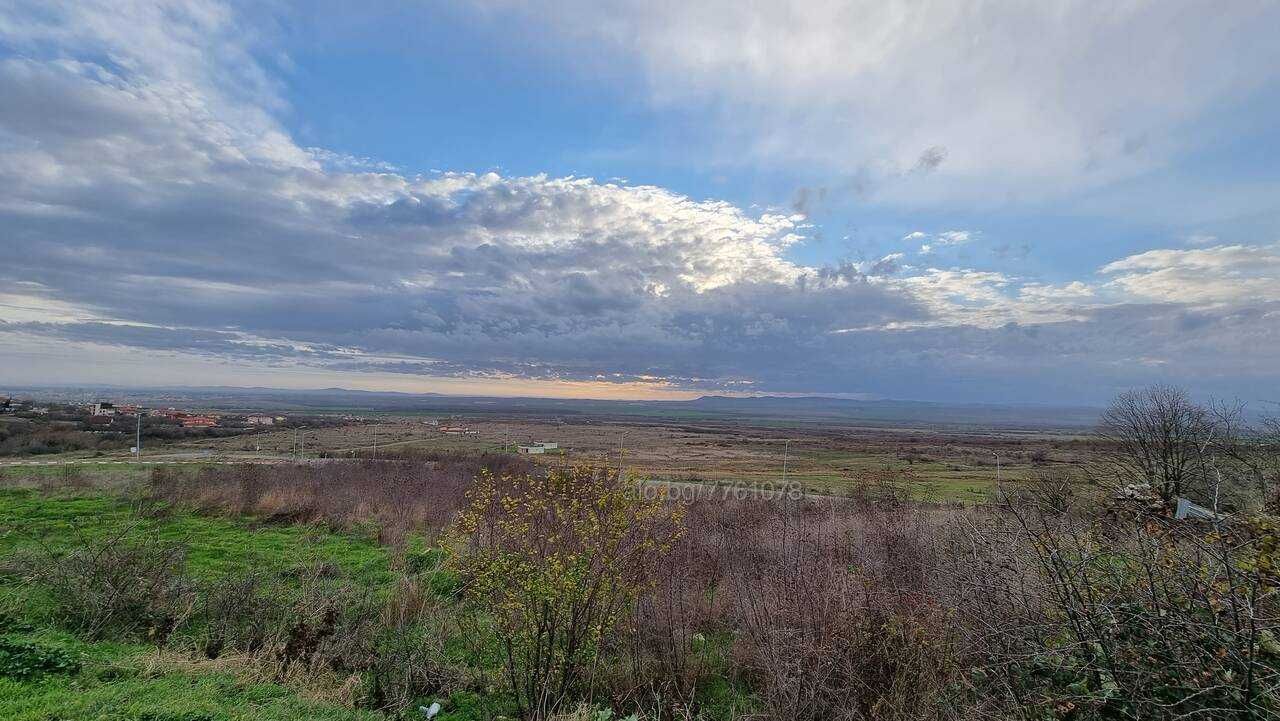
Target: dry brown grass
x=835 y=609
x=396 y=496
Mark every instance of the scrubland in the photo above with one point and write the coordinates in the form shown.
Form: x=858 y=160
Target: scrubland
x=500 y=588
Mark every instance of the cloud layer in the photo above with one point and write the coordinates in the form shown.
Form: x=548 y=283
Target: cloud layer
x=150 y=200
x=920 y=102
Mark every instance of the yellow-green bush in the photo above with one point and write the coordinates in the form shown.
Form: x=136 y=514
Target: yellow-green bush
x=555 y=562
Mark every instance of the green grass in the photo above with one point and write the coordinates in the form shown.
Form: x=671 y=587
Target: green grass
x=115 y=682
x=112 y=684
x=167 y=697
x=120 y=680
x=216 y=545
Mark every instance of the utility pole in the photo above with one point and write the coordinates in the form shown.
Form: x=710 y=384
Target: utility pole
x=999 y=488
x=137 y=439
x=375 y=440
x=786 y=451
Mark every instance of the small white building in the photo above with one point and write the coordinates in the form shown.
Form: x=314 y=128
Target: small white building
x=260 y=420
x=103 y=409
x=531 y=450
x=548 y=446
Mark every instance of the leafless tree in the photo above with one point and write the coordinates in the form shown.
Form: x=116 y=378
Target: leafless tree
x=1154 y=436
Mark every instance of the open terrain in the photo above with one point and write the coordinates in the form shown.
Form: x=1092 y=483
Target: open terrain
x=363 y=566
x=932 y=464
x=946 y=453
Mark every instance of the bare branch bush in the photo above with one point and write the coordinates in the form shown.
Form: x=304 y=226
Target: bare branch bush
x=825 y=609
x=1129 y=614
x=115 y=586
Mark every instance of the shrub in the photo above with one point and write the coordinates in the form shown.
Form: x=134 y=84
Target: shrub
x=118 y=586
x=237 y=611
x=556 y=563
x=669 y=651
x=835 y=620
x=391 y=647
x=397 y=645
x=1132 y=615
x=22 y=660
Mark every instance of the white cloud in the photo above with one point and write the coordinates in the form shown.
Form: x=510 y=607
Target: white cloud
x=946 y=238
x=938 y=102
x=954 y=237
x=1217 y=274
x=1045 y=293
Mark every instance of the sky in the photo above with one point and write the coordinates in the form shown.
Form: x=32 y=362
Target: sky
x=1003 y=201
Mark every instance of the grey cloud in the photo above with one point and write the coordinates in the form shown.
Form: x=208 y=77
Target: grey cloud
x=805 y=199
x=175 y=216
x=931 y=159
x=151 y=338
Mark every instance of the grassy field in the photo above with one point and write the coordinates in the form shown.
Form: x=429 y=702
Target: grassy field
x=931 y=464
x=129 y=679
x=216 y=545
x=133 y=681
